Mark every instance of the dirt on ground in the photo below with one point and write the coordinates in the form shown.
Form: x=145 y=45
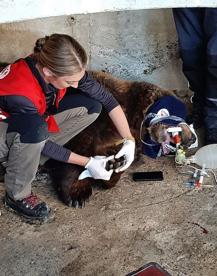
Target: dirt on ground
x=119 y=230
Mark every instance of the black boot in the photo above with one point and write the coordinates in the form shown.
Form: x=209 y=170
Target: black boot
x=31 y=208
x=2 y=173
x=210 y=136
x=196 y=117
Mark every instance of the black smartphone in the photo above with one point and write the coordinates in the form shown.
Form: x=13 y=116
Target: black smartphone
x=148 y=176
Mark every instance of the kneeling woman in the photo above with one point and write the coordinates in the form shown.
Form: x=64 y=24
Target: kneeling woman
x=40 y=117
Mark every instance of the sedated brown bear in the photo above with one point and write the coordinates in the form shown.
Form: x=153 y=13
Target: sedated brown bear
x=101 y=138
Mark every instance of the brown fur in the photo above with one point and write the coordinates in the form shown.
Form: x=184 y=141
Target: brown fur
x=100 y=137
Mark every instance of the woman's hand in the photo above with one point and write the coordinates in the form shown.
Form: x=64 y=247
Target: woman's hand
x=96 y=167
x=128 y=152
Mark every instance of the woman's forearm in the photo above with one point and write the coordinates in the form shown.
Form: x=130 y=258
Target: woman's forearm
x=77 y=159
x=120 y=121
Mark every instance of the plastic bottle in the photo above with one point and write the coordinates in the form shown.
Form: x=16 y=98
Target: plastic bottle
x=206 y=156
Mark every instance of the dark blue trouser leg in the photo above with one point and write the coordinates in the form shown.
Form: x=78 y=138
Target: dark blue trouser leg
x=189 y=25
x=210 y=29
x=197 y=33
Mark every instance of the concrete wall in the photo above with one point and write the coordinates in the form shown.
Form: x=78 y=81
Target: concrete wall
x=139 y=45
x=18 y=10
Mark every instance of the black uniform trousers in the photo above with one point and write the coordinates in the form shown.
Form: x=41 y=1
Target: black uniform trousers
x=197 y=35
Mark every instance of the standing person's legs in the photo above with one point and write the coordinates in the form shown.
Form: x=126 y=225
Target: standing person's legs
x=75 y=113
x=192 y=44
x=210 y=27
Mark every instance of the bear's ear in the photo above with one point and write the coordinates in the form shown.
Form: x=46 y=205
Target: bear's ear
x=186 y=134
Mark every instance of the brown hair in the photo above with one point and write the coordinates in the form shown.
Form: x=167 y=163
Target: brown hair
x=61 y=54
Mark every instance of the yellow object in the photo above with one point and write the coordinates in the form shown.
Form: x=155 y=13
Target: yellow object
x=124 y=139
x=180 y=156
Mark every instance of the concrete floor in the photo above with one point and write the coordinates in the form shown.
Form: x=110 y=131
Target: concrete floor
x=118 y=231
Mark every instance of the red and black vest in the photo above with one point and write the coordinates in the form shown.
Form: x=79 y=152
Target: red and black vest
x=18 y=80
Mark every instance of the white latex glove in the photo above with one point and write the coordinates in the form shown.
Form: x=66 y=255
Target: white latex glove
x=128 y=152
x=96 y=167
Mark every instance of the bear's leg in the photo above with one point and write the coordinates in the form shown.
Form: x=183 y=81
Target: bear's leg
x=64 y=177
x=108 y=184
